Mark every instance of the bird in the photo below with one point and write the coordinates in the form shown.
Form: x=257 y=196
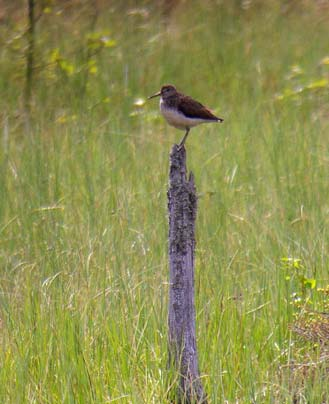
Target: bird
x=182 y=111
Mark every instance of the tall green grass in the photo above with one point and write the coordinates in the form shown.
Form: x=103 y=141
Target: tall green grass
x=83 y=218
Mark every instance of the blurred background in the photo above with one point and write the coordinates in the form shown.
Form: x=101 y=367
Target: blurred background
x=83 y=204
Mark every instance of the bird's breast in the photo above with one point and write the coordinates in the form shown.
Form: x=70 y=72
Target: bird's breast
x=178 y=119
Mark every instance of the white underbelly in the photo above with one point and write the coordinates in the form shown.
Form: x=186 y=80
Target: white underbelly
x=178 y=120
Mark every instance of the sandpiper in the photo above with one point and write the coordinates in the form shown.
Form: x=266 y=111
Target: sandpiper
x=182 y=111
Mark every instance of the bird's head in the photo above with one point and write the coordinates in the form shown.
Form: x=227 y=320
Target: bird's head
x=167 y=91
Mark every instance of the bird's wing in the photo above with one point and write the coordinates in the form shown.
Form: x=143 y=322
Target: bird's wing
x=194 y=109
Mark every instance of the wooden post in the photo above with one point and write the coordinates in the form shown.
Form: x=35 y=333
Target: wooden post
x=182 y=207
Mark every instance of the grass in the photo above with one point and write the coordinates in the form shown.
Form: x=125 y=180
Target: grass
x=83 y=216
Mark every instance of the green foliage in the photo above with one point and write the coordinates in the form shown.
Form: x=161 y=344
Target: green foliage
x=99 y=40
x=83 y=219
x=297 y=270
x=302 y=86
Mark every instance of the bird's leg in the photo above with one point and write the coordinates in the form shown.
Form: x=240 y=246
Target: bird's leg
x=181 y=144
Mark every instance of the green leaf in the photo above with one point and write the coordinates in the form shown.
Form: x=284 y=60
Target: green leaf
x=67 y=67
x=322 y=83
x=309 y=283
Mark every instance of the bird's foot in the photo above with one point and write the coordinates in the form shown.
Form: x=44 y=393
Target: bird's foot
x=181 y=144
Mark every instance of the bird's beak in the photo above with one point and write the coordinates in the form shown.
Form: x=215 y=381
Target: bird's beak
x=155 y=95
